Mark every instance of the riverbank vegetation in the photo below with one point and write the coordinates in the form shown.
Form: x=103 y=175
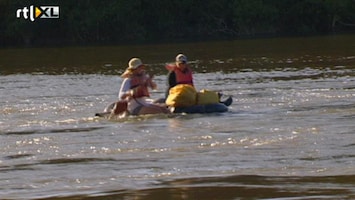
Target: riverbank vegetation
x=88 y=22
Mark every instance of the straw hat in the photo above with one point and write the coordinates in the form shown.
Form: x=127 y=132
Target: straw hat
x=133 y=64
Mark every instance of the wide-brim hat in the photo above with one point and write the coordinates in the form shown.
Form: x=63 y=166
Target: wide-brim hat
x=133 y=64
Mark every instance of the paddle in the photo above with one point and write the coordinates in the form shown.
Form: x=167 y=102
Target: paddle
x=107 y=111
x=115 y=108
x=120 y=106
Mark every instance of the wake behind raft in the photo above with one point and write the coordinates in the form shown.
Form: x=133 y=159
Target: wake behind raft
x=181 y=99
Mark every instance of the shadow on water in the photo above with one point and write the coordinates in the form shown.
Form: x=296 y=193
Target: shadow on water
x=46 y=131
x=61 y=161
x=238 y=187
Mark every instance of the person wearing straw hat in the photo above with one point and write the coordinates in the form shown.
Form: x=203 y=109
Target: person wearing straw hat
x=134 y=90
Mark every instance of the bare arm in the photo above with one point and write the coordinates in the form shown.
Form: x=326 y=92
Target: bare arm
x=151 y=83
x=125 y=89
x=170 y=66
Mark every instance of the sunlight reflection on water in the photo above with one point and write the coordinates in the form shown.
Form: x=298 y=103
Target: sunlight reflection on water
x=290 y=128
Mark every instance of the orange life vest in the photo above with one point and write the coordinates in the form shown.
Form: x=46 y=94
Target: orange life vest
x=139 y=87
x=183 y=77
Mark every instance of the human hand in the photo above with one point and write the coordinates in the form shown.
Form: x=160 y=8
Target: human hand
x=128 y=95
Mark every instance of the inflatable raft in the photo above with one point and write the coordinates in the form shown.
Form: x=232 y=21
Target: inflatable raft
x=221 y=106
x=195 y=109
x=184 y=98
x=201 y=109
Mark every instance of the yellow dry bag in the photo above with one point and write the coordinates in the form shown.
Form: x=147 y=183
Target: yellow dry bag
x=182 y=95
x=207 y=97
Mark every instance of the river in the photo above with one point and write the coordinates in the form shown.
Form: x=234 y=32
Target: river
x=289 y=134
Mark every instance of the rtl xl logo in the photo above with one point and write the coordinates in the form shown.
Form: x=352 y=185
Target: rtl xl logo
x=34 y=12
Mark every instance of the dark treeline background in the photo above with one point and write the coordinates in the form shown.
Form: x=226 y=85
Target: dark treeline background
x=90 y=22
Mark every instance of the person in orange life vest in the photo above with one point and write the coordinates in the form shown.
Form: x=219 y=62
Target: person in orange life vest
x=179 y=73
x=134 y=89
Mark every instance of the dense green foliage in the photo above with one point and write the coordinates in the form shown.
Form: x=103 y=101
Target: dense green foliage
x=121 y=21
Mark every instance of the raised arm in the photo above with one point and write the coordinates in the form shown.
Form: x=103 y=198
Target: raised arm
x=170 y=66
